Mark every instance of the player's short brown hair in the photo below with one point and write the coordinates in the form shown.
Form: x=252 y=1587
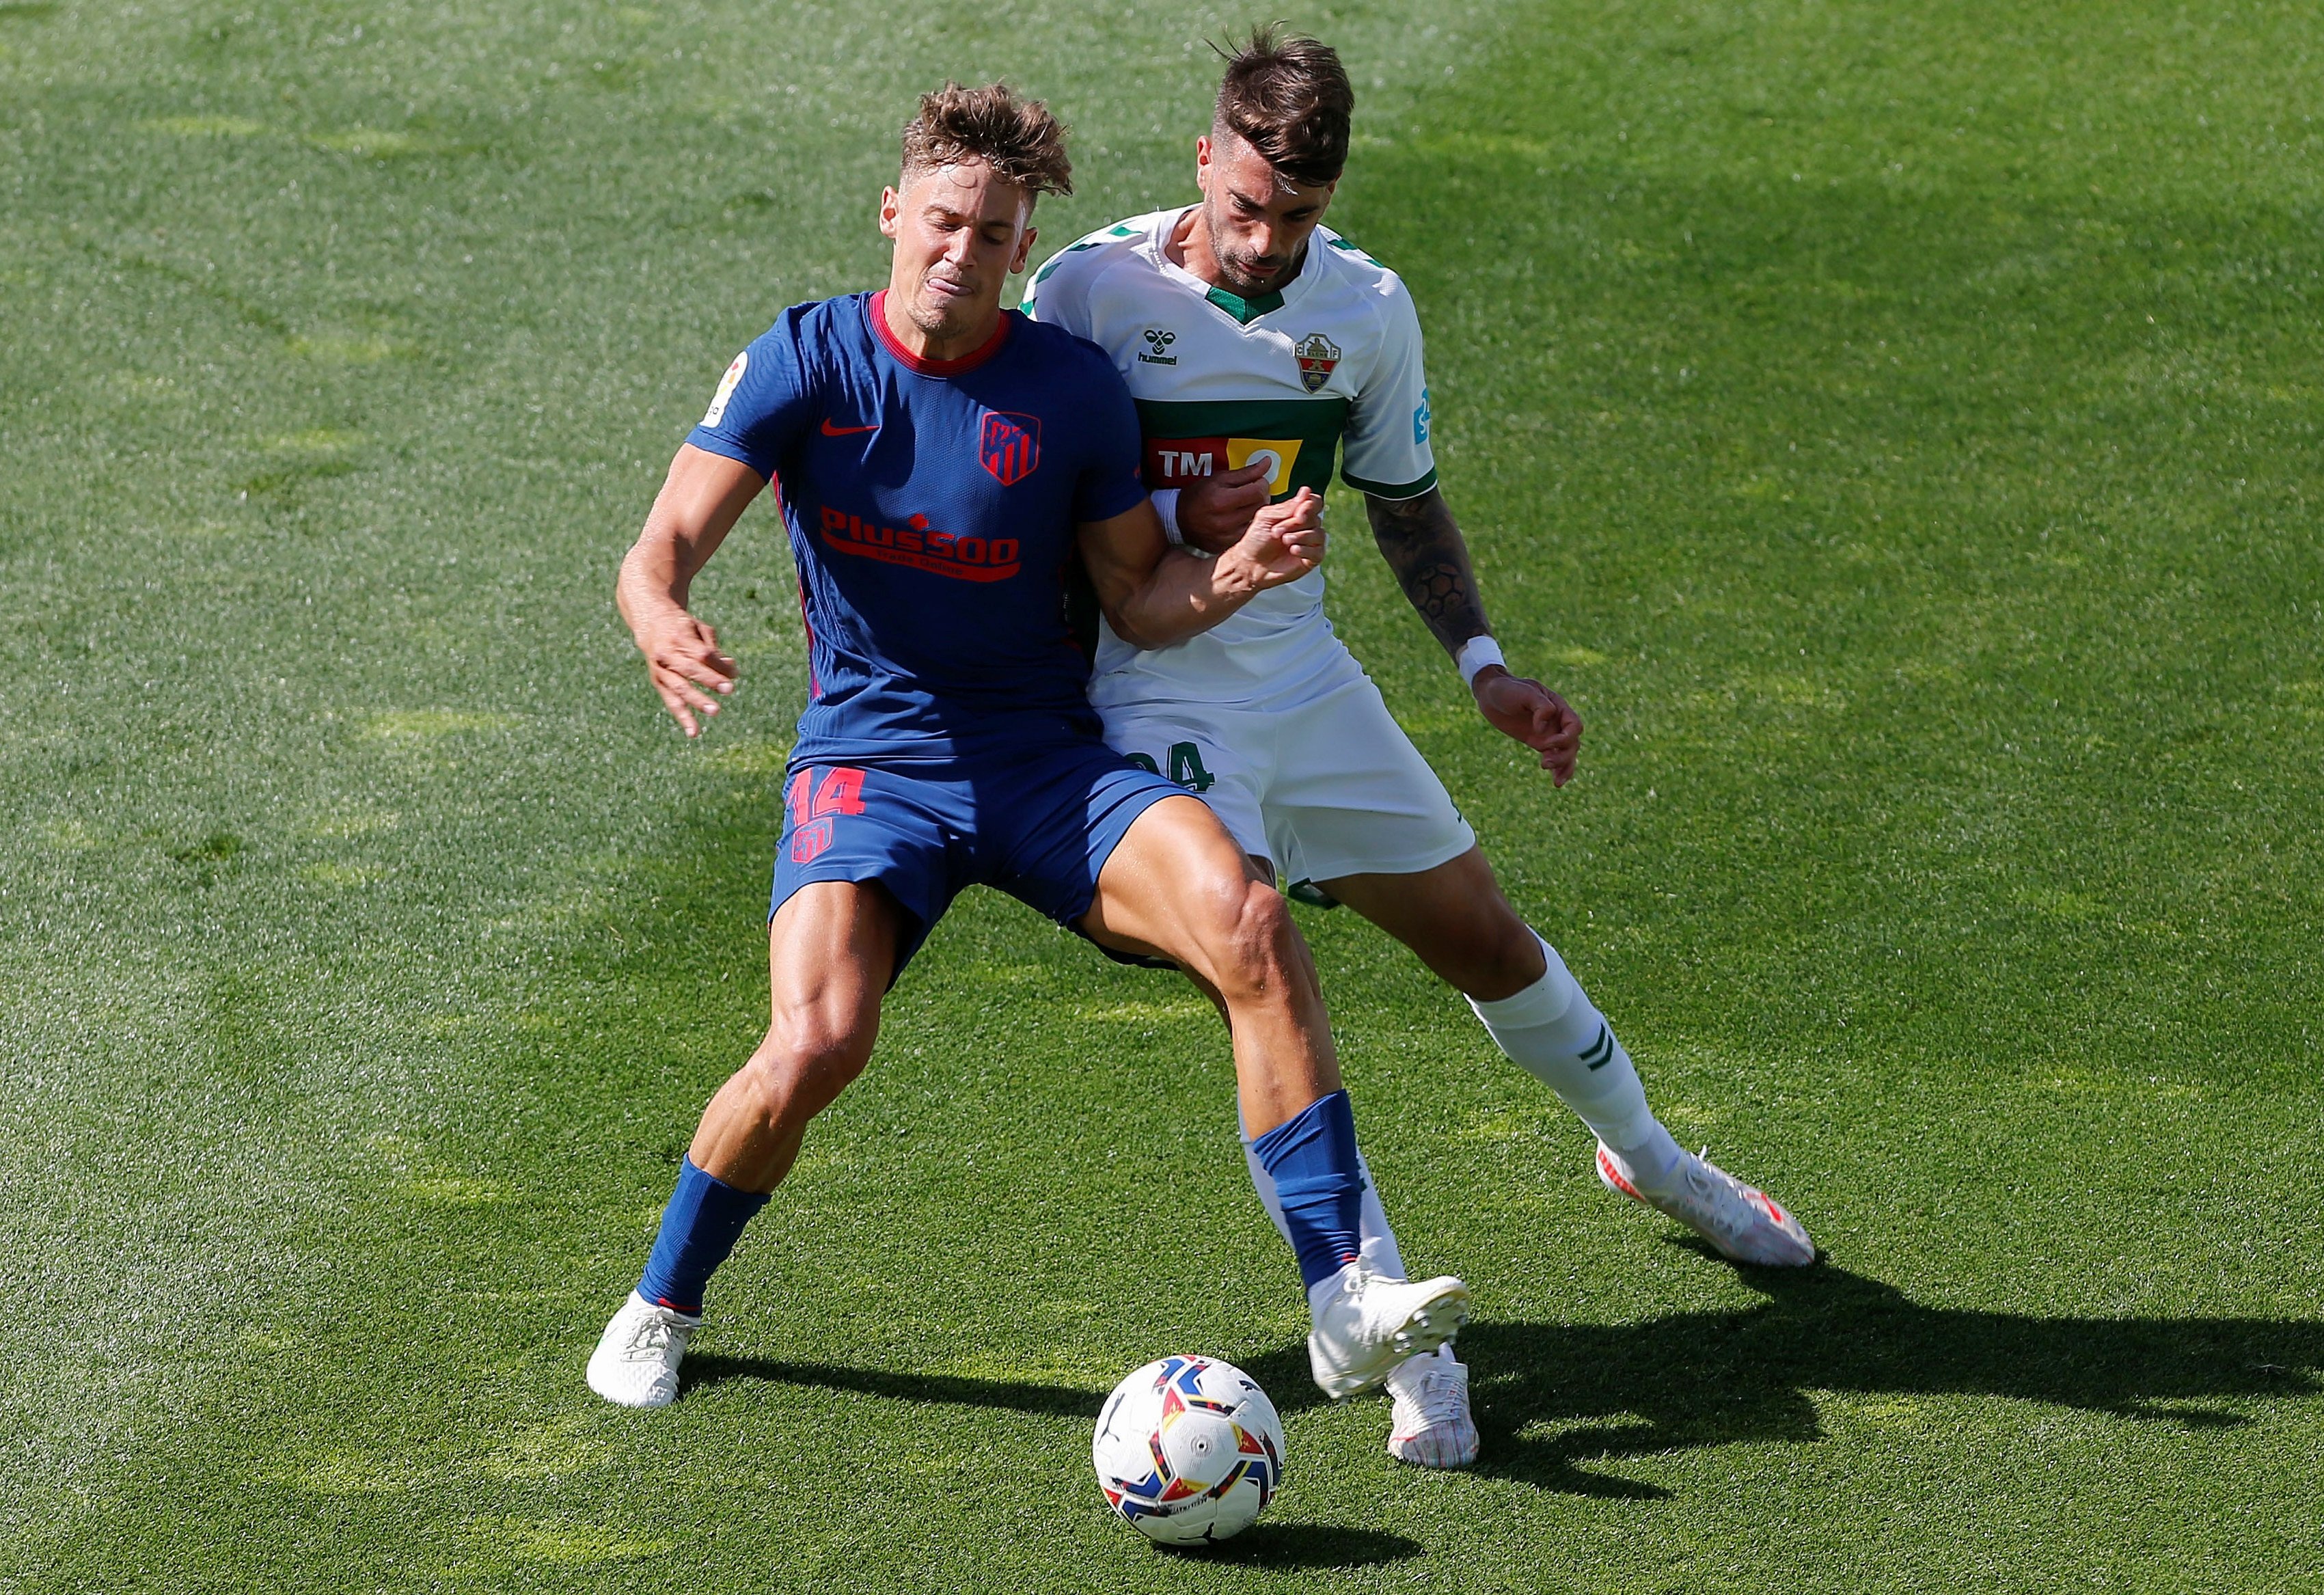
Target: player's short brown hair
x=1289 y=98
x=1019 y=140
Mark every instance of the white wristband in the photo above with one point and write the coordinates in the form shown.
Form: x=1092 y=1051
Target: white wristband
x=1166 y=505
x=1475 y=654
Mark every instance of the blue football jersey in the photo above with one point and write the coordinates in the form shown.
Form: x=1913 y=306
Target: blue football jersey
x=932 y=507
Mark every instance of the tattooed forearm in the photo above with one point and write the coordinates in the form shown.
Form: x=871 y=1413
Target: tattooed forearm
x=1424 y=546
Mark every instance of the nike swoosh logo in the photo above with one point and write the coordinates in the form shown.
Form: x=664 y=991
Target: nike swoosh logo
x=831 y=432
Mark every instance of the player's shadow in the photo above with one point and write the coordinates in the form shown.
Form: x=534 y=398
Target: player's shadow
x=710 y=1368
x=1285 y=1546
x=1551 y=1397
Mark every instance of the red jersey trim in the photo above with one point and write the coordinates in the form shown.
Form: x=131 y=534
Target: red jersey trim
x=876 y=307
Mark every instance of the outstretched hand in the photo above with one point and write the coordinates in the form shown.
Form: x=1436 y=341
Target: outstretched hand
x=684 y=662
x=1283 y=543
x=1214 y=512
x=1525 y=709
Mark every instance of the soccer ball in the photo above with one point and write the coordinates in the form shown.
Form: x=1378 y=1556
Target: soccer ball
x=1188 y=1449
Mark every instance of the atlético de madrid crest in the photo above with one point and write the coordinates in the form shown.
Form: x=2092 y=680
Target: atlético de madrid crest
x=1009 y=446
x=1319 y=357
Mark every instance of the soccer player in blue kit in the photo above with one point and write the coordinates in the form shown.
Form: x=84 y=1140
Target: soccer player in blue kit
x=939 y=461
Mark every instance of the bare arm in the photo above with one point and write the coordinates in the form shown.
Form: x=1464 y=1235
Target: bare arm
x=699 y=503
x=1154 y=595
x=1422 y=545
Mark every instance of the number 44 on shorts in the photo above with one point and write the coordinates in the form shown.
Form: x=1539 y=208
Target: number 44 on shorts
x=812 y=806
x=1185 y=766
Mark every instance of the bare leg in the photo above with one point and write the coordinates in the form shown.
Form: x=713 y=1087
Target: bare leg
x=1455 y=918
x=1178 y=887
x=1264 y=869
x=830 y=951
x=830 y=954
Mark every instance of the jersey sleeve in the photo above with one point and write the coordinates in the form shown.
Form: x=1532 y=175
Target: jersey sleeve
x=1386 y=451
x=764 y=402
x=1112 y=480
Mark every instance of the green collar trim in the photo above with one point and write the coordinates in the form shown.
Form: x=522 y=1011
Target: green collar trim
x=1244 y=311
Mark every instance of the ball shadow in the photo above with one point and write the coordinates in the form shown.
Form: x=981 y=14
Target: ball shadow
x=1285 y=1545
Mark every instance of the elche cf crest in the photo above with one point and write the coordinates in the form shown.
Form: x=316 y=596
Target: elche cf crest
x=1319 y=357
x=1009 y=446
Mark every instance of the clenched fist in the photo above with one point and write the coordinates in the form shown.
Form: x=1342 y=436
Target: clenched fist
x=1284 y=542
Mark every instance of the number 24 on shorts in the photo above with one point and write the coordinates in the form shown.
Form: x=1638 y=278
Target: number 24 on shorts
x=1185 y=766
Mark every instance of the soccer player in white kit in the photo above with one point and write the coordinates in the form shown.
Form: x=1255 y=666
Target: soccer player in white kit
x=1259 y=345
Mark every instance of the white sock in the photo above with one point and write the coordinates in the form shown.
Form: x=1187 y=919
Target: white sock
x=1323 y=1291
x=1551 y=1030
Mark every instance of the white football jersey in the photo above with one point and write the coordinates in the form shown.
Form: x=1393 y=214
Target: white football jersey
x=1331 y=365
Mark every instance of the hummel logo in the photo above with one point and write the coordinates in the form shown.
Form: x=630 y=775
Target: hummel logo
x=1157 y=341
x=831 y=432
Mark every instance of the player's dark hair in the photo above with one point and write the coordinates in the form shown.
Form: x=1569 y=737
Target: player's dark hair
x=1289 y=98
x=1019 y=140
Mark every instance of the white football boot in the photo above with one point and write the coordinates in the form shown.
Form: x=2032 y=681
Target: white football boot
x=1743 y=1221
x=1370 y=1322
x=636 y=1360
x=1432 y=1428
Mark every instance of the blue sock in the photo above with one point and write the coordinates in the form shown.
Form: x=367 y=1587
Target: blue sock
x=705 y=1218
x=1312 y=1157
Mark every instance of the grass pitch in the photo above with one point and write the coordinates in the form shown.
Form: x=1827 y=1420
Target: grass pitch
x=1896 y=429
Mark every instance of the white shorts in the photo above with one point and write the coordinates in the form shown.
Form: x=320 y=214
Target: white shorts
x=1325 y=788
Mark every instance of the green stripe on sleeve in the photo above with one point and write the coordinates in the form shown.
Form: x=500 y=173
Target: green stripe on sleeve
x=1383 y=490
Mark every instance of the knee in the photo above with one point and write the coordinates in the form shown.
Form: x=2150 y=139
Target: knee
x=1256 y=952
x=1503 y=963
x=808 y=1058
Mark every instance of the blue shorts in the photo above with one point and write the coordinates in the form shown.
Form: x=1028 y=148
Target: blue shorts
x=1037 y=824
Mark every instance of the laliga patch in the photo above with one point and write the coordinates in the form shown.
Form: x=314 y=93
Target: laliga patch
x=726 y=386
x=1278 y=454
